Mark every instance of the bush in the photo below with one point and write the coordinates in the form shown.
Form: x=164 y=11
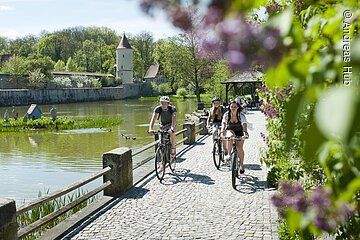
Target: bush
x=164 y=88
x=182 y=92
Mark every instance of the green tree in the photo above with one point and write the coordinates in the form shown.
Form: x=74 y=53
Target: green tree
x=37 y=79
x=3 y=45
x=59 y=66
x=22 y=46
x=40 y=63
x=88 y=56
x=16 y=66
x=144 y=46
x=53 y=45
x=71 y=65
x=169 y=54
x=196 y=69
x=221 y=74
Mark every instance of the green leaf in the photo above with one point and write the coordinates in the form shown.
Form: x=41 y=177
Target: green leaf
x=335 y=112
x=294 y=220
x=352 y=188
x=313 y=141
x=278 y=77
x=291 y=114
x=282 y=21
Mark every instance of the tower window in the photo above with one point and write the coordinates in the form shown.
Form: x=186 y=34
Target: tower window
x=123 y=55
x=121 y=67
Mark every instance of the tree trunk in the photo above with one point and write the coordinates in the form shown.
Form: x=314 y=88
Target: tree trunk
x=197 y=92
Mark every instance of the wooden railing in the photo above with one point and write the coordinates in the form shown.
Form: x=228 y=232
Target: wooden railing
x=116 y=163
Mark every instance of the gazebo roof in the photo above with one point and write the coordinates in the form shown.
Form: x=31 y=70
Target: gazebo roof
x=245 y=77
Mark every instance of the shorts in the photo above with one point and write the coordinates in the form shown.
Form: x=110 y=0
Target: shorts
x=165 y=127
x=216 y=124
x=236 y=133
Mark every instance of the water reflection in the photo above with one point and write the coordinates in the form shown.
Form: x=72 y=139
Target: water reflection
x=41 y=160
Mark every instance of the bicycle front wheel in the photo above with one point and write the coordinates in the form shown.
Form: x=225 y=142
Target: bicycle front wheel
x=234 y=169
x=160 y=163
x=217 y=154
x=172 y=163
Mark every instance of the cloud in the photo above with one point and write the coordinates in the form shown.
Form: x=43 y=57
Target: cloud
x=12 y=34
x=6 y=8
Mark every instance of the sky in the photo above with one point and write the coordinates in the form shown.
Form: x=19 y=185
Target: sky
x=19 y=18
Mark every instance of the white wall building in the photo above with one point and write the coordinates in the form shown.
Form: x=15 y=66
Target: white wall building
x=124 y=61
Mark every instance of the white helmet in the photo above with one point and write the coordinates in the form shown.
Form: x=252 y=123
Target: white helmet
x=165 y=99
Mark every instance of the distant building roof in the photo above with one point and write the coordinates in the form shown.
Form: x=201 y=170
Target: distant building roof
x=152 y=71
x=34 y=110
x=82 y=74
x=124 y=43
x=245 y=77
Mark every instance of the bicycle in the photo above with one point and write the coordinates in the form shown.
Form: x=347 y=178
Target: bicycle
x=162 y=155
x=234 y=159
x=218 y=153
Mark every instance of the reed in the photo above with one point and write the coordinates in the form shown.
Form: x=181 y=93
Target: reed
x=63 y=123
x=49 y=207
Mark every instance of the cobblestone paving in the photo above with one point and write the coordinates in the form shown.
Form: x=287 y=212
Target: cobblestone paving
x=198 y=202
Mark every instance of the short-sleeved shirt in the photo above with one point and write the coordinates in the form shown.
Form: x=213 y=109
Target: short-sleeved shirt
x=165 y=116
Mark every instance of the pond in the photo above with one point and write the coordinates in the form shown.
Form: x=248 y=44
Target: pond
x=49 y=160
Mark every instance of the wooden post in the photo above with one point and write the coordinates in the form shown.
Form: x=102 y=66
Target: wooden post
x=190 y=133
x=8 y=224
x=121 y=174
x=204 y=130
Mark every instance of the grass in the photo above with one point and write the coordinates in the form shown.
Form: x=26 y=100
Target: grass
x=64 y=123
x=49 y=207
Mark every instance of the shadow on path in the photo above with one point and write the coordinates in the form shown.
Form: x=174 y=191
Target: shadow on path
x=249 y=184
x=185 y=175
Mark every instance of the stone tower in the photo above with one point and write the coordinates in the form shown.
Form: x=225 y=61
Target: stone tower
x=124 y=61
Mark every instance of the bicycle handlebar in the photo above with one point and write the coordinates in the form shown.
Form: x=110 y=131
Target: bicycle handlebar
x=236 y=138
x=158 y=131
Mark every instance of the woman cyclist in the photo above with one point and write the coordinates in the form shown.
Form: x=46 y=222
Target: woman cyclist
x=215 y=116
x=235 y=122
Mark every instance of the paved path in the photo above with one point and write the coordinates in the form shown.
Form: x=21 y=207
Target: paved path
x=198 y=202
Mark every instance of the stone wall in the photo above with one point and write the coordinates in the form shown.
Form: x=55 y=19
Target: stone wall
x=7 y=83
x=9 y=97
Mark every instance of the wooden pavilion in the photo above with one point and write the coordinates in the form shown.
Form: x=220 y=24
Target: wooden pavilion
x=239 y=81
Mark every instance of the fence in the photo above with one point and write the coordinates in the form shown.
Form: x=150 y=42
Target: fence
x=117 y=176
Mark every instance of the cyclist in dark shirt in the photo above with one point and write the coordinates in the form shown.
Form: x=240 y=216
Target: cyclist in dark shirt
x=167 y=115
x=215 y=115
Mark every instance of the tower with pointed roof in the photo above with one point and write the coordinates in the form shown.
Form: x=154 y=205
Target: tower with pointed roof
x=124 y=61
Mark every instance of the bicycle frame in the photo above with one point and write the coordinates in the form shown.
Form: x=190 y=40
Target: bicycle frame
x=162 y=155
x=217 y=147
x=234 y=159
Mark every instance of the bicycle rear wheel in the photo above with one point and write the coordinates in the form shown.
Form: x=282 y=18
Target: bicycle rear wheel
x=234 y=169
x=217 y=154
x=160 y=163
